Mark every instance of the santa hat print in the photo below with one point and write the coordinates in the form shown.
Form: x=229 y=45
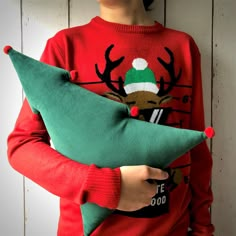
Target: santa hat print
x=140 y=78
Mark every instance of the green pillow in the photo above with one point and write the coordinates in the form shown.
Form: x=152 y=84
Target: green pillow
x=68 y=113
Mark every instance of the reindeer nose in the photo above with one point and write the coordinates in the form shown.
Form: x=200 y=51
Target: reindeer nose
x=134 y=111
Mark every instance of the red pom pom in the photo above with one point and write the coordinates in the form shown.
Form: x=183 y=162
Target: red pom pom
x=210 y=132
x=134 y=111
x=6 y=49
x=74 y=75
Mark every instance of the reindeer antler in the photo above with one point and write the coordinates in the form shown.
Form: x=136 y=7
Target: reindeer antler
x=171 y=70
x=106 y=75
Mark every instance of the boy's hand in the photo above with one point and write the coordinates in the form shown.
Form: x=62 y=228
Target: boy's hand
x=136 y=191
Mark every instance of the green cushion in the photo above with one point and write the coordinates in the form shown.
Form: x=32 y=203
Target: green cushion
x=89 y=128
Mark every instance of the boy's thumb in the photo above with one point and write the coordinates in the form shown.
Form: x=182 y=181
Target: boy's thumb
x=158 y=174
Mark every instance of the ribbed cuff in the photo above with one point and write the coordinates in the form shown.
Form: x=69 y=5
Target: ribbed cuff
x=102 y=187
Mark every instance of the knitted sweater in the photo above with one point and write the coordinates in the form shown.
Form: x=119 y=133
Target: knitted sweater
x=114 y=59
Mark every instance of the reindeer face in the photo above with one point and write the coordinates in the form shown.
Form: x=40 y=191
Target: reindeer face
x=145 y=100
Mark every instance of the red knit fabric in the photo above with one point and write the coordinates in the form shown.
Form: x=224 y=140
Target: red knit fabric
x=93 y=50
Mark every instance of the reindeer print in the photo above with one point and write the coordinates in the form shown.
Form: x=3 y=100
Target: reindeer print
x=143 y=91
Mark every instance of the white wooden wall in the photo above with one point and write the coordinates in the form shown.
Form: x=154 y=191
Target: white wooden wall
x=28 y=210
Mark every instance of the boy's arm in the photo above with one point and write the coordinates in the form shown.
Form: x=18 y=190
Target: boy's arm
x=29 y=152
x=201 y=167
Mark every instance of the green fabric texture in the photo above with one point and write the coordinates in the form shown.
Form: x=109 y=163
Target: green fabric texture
x=88 y=128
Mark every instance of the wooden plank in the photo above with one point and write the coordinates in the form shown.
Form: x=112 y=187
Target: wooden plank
x=195 y=18
x=41 y=20
x=11 y=182
x=224 y=111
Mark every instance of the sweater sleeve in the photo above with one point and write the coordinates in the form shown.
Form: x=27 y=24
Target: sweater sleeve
x=30 y=153
x=201 y=160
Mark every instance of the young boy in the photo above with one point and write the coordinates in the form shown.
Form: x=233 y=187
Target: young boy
x=111 y=53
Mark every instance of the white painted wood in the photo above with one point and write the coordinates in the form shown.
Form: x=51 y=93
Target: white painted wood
x=224 y=111
x=11 y=183
x=41 y=20
x=195 y=18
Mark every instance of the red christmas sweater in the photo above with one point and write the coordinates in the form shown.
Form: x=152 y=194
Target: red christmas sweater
x=110 y=58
